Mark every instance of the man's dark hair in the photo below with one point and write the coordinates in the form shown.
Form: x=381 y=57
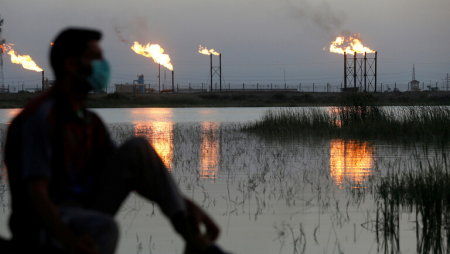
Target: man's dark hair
x=71 y=42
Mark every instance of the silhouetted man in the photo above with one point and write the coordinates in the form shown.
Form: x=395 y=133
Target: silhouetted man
x=67 y=177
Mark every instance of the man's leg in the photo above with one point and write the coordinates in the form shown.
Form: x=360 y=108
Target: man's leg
x=137 y=166
x=134 y=166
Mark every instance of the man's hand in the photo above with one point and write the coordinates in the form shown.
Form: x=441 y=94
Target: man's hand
x=196 y=240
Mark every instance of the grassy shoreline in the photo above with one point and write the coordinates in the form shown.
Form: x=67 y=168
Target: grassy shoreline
x=358 y=115
x=237 y=99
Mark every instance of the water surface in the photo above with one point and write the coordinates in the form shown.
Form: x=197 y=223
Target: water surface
x=292 y=194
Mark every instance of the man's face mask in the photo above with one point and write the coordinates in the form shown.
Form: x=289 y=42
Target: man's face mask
x=99 y=77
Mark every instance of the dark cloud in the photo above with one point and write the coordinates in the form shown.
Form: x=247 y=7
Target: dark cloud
x=134 y=29
x=322 y=16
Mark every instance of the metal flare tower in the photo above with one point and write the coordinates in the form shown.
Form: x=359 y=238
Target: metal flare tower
x=360 y=74
x=216 y=71
x=2 y=50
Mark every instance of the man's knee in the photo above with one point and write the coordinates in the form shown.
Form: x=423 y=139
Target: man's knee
x=136 y=145
x=108 y=232
x=139 y=160
x=108 y=225
x=140 y=149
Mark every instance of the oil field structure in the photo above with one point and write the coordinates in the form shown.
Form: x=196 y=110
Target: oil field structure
x=360 y=74
x=216 y=70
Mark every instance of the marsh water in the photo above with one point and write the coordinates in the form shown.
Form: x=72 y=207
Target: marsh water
x=288 y=194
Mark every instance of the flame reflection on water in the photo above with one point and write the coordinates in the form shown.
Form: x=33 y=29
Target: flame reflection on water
x=350 y=161
x=8 y=115
x=160 y=135
x=209 y=151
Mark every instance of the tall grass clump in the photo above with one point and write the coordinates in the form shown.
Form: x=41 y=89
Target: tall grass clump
x=276 y=122
x=426 y=192
x=359 y=116
x=426 y=121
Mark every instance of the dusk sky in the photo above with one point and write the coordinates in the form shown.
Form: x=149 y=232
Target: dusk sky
x=259 y=39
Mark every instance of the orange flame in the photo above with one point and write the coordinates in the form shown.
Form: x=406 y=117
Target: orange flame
x=6 y=47
x=349 y=45
x=205 y=51
x=153 y=51
x=24 y=60
x=51 y=43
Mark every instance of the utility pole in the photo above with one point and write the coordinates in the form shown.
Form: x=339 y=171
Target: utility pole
x=159 y=78
x=43 y=82
x=284 y=75
x=447 y=81
x=164 y=78
x=210 y=55
x=2 y=50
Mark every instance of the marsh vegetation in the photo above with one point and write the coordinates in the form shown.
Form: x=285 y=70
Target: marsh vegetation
x=359 y=116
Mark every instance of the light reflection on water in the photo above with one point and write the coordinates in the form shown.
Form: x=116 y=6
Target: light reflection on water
x=7 y=114
x=210 y=150
x=160 y=135
x=351 y=161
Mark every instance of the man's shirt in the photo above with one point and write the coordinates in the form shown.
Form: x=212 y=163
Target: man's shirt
x=48 y=140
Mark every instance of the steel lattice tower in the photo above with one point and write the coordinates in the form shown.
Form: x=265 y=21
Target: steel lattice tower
x=216 y=71
x=360 y=74
x=2 y=50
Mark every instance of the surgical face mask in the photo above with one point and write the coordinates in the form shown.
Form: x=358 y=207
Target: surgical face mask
x=99 y=77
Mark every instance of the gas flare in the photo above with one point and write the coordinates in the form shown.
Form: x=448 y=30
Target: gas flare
x=205 y=51
x=24 y=60
x=51 y=43
x=349 y=45
x=153 y=51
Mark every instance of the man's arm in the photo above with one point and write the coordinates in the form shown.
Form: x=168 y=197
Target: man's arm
x=47 y=211
x=189 y=227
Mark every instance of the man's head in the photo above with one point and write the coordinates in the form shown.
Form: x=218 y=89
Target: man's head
x=72 y=48
x=77 y=60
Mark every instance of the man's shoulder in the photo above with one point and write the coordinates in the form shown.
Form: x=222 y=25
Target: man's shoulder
x=94 y=118
x=37 y=110
x=31 y=121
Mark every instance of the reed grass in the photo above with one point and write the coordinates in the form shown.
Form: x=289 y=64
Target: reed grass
x=358 y=116
x=421 y=188
x=285 y=121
